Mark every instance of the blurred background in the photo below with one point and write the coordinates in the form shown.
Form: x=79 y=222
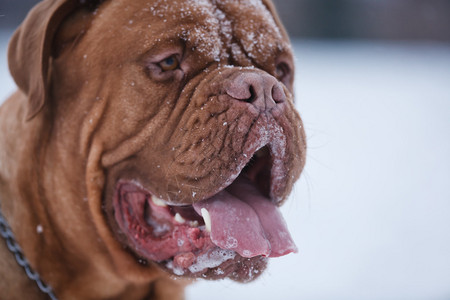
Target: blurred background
x=335 y=19
x=371 y=213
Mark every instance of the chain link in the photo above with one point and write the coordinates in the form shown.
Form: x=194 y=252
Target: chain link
x=12 y=245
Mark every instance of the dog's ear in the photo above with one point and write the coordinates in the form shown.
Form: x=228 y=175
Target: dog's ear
x=31 y=47
x=72 y=29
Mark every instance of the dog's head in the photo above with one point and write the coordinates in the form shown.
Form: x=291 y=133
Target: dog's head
x=176 y=119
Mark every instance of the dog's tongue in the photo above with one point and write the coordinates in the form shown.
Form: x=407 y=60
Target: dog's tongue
x=245 y=221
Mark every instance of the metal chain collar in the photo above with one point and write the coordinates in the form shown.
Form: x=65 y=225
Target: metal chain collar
x=7 y=234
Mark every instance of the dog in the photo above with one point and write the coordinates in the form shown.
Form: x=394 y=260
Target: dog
x=149 y=143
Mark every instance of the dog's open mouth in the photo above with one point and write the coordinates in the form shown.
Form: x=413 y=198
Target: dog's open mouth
x=236 y=228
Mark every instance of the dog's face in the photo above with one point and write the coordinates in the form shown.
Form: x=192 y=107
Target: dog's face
x=183 y=117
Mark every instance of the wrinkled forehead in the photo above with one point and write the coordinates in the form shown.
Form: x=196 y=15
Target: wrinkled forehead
x=214 y=28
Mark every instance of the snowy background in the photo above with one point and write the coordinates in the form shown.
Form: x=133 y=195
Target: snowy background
x=371 y=213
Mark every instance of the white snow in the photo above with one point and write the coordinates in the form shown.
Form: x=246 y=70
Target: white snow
x=370 y=214
x=217 y=28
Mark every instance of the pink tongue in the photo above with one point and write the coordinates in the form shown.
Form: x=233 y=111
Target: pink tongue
x=245 y=221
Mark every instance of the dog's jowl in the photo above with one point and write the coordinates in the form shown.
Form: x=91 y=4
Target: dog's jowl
x=150 y=142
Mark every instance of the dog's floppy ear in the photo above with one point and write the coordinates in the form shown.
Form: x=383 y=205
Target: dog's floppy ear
x=30 y=49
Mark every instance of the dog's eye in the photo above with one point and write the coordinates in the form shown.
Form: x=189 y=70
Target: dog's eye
x=169 y=64
x=283 y=72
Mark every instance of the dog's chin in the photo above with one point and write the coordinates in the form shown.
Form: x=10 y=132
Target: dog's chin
x=230 y=234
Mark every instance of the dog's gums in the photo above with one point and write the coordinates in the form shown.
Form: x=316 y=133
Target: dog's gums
x=232 y=231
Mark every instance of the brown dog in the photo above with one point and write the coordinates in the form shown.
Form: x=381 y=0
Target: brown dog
x=151 y=141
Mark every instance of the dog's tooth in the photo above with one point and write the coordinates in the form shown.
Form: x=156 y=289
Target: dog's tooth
x=207 y=219
x=158 y=202
x=179 y=218
x=193 y=223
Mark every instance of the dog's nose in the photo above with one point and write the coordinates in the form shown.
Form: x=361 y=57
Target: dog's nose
x=262 y=90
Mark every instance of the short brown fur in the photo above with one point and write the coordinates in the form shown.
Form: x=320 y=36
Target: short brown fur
x=82 y=110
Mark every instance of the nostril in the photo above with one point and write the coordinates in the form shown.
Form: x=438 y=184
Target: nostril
x=253 y=95
x=278 y=93
x=261 y=90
